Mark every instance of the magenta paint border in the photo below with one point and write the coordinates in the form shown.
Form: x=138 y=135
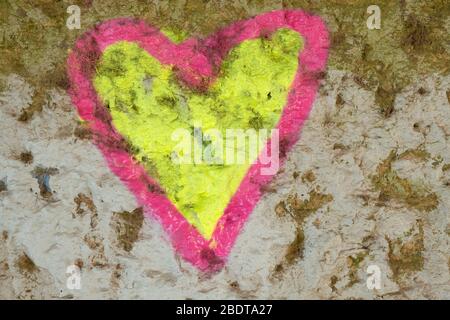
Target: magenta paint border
x=196 y=61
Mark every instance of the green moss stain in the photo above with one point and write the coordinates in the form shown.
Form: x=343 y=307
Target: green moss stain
x=333 y=281
x=405 y=256
x=176 y=36
x=354 y=264
x=414 y=154
x=414 y=195
x=26 y=157
x=308 y=176
x=3 y=185
x=299 y=210
x=148 y=105
x=411 y=41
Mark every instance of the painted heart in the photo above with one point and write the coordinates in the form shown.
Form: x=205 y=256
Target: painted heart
x=135 y=88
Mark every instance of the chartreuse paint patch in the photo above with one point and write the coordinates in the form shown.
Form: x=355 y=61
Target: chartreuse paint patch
x=147 y=104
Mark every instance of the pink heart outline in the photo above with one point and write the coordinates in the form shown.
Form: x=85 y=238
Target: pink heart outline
x=196 y=61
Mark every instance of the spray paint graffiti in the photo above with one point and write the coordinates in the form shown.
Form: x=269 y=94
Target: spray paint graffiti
x=133 y=86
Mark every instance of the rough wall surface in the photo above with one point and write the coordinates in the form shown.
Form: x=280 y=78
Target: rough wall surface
x=367 y=183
